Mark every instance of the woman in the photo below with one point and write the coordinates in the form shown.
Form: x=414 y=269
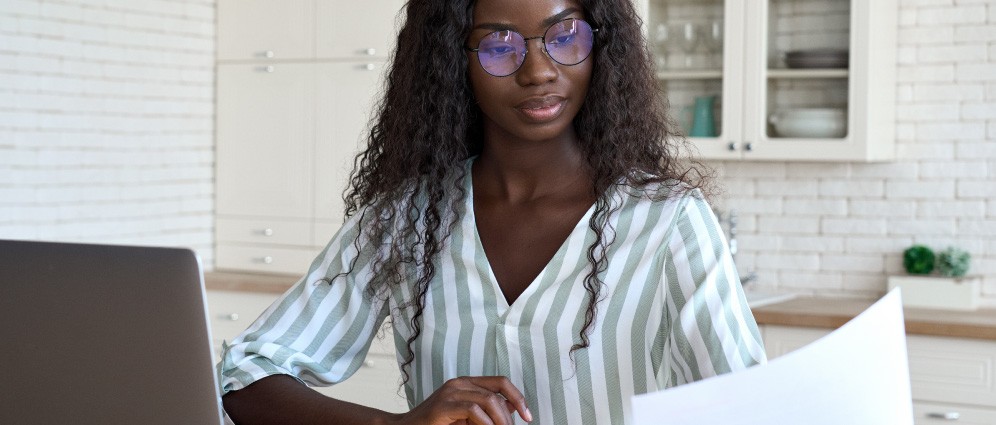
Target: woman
x=521 y=217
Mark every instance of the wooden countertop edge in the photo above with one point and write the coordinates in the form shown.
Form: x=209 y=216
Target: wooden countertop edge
x=796 y=319
x=955 y=330
x=805 y=313
x=244 y=282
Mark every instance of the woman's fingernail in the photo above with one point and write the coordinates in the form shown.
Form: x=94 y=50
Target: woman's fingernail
x=529 y=415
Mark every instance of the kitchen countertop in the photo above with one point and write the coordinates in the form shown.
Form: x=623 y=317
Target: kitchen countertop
x=249 y=282
x=828 y=313
x=833 y=312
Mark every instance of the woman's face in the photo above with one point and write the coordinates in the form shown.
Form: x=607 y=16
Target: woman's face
x=538 y=101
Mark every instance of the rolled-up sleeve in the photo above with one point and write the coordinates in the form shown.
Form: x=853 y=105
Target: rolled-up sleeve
x=319 y=331
x=710 y=329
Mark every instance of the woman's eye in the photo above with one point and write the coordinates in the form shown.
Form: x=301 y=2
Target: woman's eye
x=499 y=50
x=563 y=38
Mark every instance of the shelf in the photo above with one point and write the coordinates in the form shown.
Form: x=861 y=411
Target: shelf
x=808 y=73
x=691 y=74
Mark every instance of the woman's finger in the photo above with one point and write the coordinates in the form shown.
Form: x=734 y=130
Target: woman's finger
x=503 y=386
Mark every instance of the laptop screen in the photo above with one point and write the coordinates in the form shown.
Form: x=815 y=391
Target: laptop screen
x=99 y=334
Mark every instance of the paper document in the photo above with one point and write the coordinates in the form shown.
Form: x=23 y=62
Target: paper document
x=859 y=374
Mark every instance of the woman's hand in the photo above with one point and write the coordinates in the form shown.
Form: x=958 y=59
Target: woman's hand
x=477 y=400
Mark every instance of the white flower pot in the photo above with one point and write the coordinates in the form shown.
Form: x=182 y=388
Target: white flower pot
x=950 y=293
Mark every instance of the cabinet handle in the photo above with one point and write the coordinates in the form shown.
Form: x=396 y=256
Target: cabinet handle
x=370 y=51
x=948 y=416
x=748 y=146
x=233 y=316
x=732 y=146
x=265 y=54
x=370 y=67
x=265 y=232
x=267 y=69
x=265 y=260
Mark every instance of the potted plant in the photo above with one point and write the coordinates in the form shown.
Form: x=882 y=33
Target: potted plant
x=950 y=288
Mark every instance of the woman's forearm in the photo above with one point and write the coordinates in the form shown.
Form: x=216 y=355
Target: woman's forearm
x=278 y=399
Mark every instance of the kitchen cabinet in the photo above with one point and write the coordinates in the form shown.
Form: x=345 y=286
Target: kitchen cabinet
x=306 y=29
x=297 y=83
x=266 y=29
x=357 y=29
x=376 y=384
x=952 y=379
x=728 y=59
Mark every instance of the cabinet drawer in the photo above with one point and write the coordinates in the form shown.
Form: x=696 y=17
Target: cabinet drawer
x=376 y=384
x=931 y=414
x=953 y=370
x=264 y=258
x=281 y=232
x=231 y=312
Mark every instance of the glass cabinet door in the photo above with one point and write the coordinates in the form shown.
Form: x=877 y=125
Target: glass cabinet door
x=806 y=81
x=696 y=50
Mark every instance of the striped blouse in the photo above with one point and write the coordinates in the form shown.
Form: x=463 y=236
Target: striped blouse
x=673 y=312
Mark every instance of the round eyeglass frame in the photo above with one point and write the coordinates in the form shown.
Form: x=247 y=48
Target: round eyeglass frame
x=525 y=40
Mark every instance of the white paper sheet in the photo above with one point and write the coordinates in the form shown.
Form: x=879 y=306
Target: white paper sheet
x=858 y=374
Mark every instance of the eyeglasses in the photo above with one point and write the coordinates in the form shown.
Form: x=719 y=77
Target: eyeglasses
x=568 y=42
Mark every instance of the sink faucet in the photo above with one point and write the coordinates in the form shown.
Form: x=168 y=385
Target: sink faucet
x=731 y=220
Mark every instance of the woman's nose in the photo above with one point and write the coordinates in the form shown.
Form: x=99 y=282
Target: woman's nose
x=537 y=68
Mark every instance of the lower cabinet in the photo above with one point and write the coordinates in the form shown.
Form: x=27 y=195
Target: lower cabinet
x=378 y=382
x=953 y=380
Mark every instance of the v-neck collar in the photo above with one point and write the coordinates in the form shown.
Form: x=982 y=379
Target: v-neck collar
x=580 y=230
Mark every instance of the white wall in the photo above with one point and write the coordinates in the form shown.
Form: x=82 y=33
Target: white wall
x=840 y=229
x=107 y=121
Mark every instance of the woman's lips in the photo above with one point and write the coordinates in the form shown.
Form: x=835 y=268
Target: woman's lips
x=542 y=109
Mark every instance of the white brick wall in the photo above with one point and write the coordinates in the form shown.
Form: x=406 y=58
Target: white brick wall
x=107 y=121
x=840 y=229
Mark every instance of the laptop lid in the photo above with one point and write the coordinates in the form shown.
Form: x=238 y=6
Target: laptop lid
x=99 y=334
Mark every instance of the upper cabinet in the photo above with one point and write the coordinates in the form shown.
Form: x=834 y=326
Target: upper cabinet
x=306 y=29
x=266 y=29
x=357 y=29
x=810 y=80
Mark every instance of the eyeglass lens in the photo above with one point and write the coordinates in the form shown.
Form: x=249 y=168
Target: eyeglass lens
x=568 y=42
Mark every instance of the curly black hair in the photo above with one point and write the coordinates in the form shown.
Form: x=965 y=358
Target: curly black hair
x=402 y=184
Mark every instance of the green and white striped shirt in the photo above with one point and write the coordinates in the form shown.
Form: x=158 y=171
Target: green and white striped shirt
x=673 y=312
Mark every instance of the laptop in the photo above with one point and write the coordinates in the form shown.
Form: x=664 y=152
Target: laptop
x=100 y=334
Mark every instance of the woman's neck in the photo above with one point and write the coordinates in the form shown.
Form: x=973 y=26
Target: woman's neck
x=523 y=172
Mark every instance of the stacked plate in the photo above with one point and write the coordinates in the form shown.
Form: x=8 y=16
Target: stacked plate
x=817 y=58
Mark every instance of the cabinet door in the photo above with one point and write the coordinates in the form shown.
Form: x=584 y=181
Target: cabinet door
x=357 y=29
x=347 y=92
x=953 y=370
x=819 y=79
x=266 y=29
x=265 y=128
x=698 y=51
